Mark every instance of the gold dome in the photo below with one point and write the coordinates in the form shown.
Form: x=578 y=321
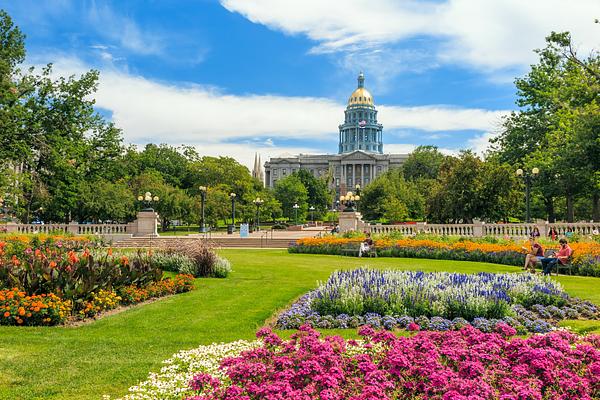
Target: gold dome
x=360 y=96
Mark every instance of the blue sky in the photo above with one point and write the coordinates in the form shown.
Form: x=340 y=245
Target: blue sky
x=271 y=76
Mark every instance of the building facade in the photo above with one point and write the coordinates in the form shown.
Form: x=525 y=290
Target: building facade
x=360 y=157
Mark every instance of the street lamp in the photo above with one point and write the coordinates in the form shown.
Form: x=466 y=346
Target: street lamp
x=258 y=202
x=312 y=213
x=231 y=227
x=203 y=190
x=357 y=187
x=296 y=207
x=350 y=201
x=147 y=199
x=528 y=177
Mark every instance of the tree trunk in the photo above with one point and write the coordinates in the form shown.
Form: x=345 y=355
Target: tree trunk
x=570 y=208
x=596 y=206
x=549 y=204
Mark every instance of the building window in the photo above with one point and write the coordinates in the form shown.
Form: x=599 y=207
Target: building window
x=284 y=171
x=337 y=181
x=274 y=172
x=337 y=170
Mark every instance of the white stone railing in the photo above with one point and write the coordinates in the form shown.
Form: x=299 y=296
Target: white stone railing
x=480 y=229
x=144 y=225
x=38 y=228
x=76 y=229
x=103 y=229
x=383 y=229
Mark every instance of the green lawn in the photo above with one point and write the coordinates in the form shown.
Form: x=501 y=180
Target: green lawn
x=109 y=355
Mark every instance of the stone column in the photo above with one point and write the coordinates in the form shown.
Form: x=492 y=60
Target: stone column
x=146 y=223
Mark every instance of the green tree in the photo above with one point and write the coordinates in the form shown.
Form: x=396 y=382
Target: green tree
x=556 y=127
x=102 y=200
x=390 y=197
x=423 y=163
x=289 y=191
x=469 y=188
x=319 y=195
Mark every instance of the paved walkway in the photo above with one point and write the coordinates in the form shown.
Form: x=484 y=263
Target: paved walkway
x=275 y=234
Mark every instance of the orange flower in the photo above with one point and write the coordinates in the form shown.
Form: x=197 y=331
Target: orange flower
x=15 y=260
x=52 y=264
x=21 y=311
x=110 y=251
x=72 y=257
x=6 y=314
x=125 y=261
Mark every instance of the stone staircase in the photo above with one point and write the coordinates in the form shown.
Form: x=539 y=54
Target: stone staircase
x=222 y=242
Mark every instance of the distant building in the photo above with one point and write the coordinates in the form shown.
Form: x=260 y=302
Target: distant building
x=257 y=171
x=360 y=157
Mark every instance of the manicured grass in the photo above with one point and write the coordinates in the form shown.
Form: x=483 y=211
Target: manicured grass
x=109 y=355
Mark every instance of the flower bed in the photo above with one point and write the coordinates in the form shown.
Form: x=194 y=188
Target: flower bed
x=438 y=365
x=60 y=279
x=435 y=301
x=586 y=259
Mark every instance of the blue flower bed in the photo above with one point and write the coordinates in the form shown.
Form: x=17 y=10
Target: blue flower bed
x=434 y=301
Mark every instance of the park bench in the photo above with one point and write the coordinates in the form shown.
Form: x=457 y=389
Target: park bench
x=352 y=249
x=567 y=267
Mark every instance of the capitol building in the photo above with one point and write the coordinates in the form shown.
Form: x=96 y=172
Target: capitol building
x=360 y=158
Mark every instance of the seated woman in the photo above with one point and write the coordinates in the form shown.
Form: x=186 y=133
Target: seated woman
x=534 y=254
x=366 y=245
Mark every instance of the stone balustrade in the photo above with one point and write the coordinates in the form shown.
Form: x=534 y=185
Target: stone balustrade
x=144 y=225
x=480 y=229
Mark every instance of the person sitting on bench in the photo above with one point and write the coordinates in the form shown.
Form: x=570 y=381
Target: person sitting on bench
x=366 y=245
x=561 y=257
x=534 y=254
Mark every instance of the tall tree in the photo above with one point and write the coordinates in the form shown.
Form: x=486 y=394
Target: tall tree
x=555 y=129
x=423 y=163
x=390 y=197
x=290 y=191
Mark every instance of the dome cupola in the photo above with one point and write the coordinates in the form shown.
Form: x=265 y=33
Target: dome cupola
x=360 y=130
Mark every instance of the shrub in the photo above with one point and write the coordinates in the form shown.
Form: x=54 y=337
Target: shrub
x=202 y=255
x=222 y=268
x=173 y=261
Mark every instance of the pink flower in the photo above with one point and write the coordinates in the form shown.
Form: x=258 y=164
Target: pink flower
x=413 y=327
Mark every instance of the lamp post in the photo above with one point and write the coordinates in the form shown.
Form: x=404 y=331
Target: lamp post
x=258 y=202
x=528 y=177
x=231 y=227
x=312 y=214
x=147 y=199
x=296 y=207
x=357 y=187
x=350 y=200
x=203 y=190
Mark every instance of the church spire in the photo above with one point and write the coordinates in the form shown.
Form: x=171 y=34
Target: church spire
x=257 y=171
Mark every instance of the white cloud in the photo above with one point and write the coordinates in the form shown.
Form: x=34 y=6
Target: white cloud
x=405 y=148
x=238 y=125
x=486 y=34
x=123 y=30
x=481 y=143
